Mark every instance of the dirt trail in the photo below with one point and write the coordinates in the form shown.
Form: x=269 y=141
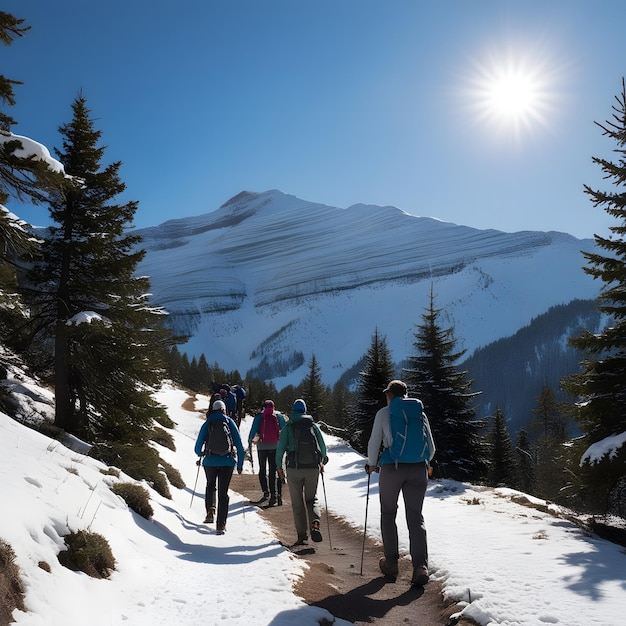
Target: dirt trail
x=335 y=583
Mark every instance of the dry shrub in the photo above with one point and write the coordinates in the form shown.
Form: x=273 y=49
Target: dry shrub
x=89 y=553
x=11 y=588
x=136 y=497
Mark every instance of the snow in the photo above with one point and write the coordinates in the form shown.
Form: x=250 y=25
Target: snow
x=84 y=317
x=606 y=447
x=32 y=148
x=508 y=558
x=272 y=274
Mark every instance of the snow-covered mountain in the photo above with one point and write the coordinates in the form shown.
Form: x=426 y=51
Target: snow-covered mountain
x=270 y=276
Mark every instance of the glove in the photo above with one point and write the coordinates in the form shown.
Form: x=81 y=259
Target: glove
x=239 y=470
x=281 y=474
x=199 y=461
x=370 y=470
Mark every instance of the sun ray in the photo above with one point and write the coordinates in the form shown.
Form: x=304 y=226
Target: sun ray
x=512 y=92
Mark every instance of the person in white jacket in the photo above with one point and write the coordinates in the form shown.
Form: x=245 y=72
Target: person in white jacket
x=402 y=430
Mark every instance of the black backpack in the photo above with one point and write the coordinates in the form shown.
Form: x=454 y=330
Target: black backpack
x=219 y=440
x=307 y=453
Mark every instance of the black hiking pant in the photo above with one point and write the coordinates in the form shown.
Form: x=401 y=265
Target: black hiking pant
x=220 y=475
x=267 y=472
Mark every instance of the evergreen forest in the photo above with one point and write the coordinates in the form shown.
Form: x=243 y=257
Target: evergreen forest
x=543 y=411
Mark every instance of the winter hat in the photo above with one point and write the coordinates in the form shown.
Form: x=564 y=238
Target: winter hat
x=299 y=406
x=268 y=407
x=218 y=405
x=397 y=388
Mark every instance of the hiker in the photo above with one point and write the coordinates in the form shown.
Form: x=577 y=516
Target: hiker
x=265 y=433
x=213 y=399
x=230 y=400
x=403 y=468
x=302 y=441
x=240 y=395
x=219 y=442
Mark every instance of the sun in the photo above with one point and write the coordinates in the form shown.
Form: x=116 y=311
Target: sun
x=511 y=96
x=512 y=93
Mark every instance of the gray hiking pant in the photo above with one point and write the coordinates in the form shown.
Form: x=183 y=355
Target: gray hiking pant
x=410 y=479
x=302 y=485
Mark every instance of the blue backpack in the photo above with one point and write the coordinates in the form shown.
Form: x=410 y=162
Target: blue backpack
x=408 y=431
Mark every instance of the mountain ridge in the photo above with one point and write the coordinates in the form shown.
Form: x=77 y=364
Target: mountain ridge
x=319 y=279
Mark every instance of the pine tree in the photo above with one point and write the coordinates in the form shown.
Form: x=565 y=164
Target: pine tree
x=503 y=461
x=174 y=361
x=433 y=377
x=601 y=385
x=314 y=392
x=549 y=421
x=525 y=463
x=550 y=430
x=339 y=414
x=20 y=178
x=369 y=395
x=107 y=339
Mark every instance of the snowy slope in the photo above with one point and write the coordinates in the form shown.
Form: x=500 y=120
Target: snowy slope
x=505 y=563
x=268 y=274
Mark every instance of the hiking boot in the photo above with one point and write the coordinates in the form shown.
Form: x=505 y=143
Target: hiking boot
x=389 y=568
x=316 y=535
x=302 y=541
x=210 y=516
x=262 y=499
x=272 y=501
x=221 y=529
x=279 y=500
x=420 y=577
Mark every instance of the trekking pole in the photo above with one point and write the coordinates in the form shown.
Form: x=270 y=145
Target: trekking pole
x=193 y=493
x=330 y=543
x=367 y=501
x=243 y=504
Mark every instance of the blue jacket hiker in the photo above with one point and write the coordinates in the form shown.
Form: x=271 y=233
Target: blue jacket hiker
x=219 y=443
x=265 y=433
x=302 y=441
x=403 y=430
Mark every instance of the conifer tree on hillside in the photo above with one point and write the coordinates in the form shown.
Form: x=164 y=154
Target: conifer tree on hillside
x=22 y=178
x=314 y=392
x=549 y=421
x=107 y=339
x=525 y=462
x=285 y=398
x=601 y=385
x=549 y=431
x=340 y=408
x=503 y=460
x=369 y=395
x=433 y=377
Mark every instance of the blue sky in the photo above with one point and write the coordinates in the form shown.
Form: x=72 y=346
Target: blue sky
x=334 y=101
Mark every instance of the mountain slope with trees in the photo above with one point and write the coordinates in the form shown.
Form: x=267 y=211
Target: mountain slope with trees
x=600 y=388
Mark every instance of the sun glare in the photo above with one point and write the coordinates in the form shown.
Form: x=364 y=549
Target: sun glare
x=512 y=93
x=511 y=96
